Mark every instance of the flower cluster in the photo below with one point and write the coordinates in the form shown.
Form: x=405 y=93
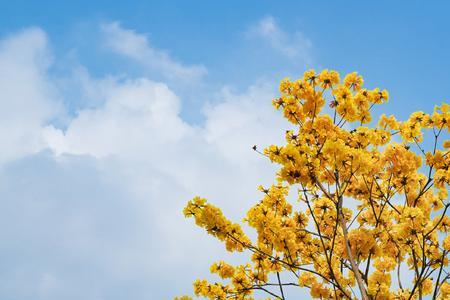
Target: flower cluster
x=211 y=218
x=372 y=202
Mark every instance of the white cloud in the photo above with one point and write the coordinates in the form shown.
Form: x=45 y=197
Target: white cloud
x=142 y=146
x=137 y=113
x=27 y=99
x=75 y=234
x=139 y=124
x=292 y=46
x=141 y=143
x=99 y=215
x=137 y=47
x=240 y=120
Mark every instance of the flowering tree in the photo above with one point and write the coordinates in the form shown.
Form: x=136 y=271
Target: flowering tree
x=371 y=222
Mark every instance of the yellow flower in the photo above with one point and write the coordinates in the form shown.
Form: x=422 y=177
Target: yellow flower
x=445 y=291
x=385 y=264
x=307 y=279
x=310 y=76
x=364 y=203
x=353 y=81
x=223 y=269
x=427 y=286
x=446 y=144
x=328 y=78
x=446 y=243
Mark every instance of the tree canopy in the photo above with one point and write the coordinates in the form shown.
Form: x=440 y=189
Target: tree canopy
x=371 y=202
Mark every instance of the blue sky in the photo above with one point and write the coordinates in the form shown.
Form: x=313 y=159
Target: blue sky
x=115 y=114
x=379 y=40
